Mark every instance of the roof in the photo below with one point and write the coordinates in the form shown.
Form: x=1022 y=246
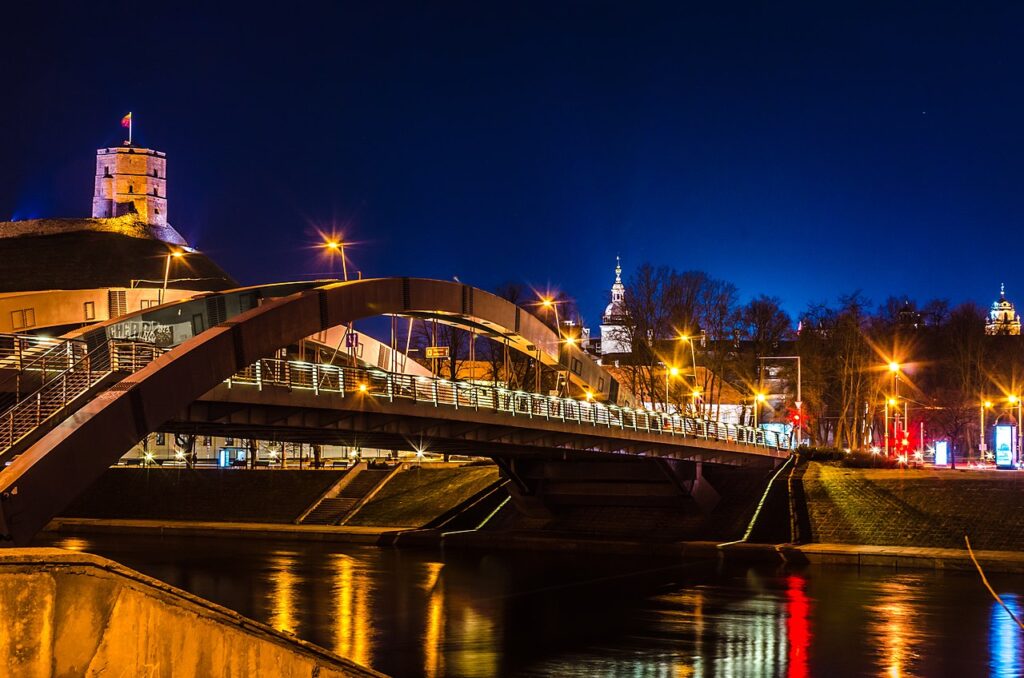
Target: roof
x=89 y=259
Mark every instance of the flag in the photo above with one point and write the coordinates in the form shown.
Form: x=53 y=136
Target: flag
x=126 y=121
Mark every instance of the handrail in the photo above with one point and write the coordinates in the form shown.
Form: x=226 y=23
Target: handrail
x=55 y=394
x=322 y=378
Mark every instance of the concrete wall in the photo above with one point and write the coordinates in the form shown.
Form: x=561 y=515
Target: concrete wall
x=74 y=614
x=931 y=508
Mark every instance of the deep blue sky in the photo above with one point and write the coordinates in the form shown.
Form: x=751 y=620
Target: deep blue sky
x=798 y=150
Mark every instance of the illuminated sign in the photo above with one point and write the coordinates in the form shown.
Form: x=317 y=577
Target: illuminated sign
x=941 y=452
x=437 y=352
x=1004 y=446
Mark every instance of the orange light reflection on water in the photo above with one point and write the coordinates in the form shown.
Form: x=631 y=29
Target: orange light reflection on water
x=433 y=637
x=284 y=588
x=894 y=626
x=351 y=590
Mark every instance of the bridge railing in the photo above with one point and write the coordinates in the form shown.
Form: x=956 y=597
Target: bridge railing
x=443 y=392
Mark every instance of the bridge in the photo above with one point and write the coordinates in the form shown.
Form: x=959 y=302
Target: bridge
x=208 y=365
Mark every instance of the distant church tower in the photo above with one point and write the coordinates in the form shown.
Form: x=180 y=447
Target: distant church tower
x=1003 y=318
x=613 y=331
x=131 y=180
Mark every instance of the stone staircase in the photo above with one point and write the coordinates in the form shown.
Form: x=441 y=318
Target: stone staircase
x=339 y=502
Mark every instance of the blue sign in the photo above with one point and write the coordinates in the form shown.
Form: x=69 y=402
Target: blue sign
x=941 y=452
x=1004 y=446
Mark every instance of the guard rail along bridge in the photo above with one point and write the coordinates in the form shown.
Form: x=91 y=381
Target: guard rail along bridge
x=217 y=363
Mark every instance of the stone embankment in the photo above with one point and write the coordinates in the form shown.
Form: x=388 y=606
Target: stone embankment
x=930 y=508
x=72 y=614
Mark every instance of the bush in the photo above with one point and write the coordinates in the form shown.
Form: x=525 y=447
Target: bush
x=844 y=458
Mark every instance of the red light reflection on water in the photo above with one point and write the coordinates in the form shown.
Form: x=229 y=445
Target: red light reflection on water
x=798 y=626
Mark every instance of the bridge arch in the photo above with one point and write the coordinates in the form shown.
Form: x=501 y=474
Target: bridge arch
x=45 y=478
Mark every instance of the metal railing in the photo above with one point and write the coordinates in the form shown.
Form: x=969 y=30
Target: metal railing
x=40 y=358
x=56 y=393
x=442 y=392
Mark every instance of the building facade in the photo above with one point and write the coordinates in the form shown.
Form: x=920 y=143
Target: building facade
x=614 y=335
x=1003 y=318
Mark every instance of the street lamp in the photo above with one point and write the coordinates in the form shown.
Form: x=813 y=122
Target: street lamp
x=549 y=303
x=1014 y=400
x=674 y=372
x=894 y=368
x=981 y=429
x=174 y=254
x=338 y=246
x=693 y=356
x=695 y=393
x=758 y=398
x=891 y=402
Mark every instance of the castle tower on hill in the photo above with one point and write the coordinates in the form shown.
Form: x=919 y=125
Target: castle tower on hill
x=131 y=180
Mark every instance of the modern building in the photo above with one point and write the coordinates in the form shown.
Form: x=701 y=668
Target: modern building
x=1003 y=318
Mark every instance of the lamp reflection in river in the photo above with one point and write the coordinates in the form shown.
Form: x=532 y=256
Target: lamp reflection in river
x=896 y=625
x=284 y=584
x=1004 y=642
x=798 y=626
x=433 y=636
x=351 y=609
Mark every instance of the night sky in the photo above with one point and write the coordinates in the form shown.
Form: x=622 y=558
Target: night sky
x=798 y=150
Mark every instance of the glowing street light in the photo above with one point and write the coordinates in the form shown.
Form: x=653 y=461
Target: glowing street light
x=174 y=254
x=333 y=246
x=669 y=372
x=982 y=446
x=759 y=398
x=890 y=402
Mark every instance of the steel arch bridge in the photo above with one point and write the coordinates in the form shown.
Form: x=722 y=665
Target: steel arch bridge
x=230 y=332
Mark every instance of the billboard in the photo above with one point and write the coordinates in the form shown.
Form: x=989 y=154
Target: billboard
x=941 y=452
x=1004 y=446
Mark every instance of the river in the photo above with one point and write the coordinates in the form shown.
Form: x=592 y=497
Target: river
x=416 y=613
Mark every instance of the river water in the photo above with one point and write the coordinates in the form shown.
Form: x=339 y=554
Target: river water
x=417 y=613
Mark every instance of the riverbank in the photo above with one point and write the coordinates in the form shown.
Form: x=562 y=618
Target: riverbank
x=896 y=558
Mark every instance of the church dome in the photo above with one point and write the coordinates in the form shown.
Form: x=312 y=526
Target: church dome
x=1003 y=318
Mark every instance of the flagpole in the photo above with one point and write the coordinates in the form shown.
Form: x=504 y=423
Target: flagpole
x=131 y=121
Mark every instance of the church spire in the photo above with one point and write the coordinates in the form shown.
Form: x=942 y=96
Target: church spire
x=1002 y=290
x=618 y=270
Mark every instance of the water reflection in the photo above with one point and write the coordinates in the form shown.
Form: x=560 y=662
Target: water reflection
x=1004 y=644
x=798 y=626
x=407 y=613
x=433 y=637
x=284 y=584
x=352 y=618
x=896 y=625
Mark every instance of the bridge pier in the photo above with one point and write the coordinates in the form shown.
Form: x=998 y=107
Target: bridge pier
x=541 y=488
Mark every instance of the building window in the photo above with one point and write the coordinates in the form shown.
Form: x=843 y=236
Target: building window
x=131 y=189
x=147 y=303
x=90 y=310
x=576 y=366
x=160 y=439
x=155 y=174
x=23 y=318
x=155 y=193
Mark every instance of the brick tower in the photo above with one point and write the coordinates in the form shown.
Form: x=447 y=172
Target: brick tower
x=130 y=179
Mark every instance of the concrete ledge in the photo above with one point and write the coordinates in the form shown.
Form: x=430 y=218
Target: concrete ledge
x=192 y=528
x=69 y=613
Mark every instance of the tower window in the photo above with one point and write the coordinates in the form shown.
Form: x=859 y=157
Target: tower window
x=131 y=189
x=155 y=174
x=155 y=193
x=106 y=171
x=157 y=210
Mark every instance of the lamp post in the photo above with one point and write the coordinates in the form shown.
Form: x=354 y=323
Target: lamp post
x=669 y=371
x=890 y=402
x=693 y=356
x=758 y=398
x=175 y=254
x=894 y=368
x=339 y=246
x=987 y=404
x=1015 y=400
x=695 y=393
